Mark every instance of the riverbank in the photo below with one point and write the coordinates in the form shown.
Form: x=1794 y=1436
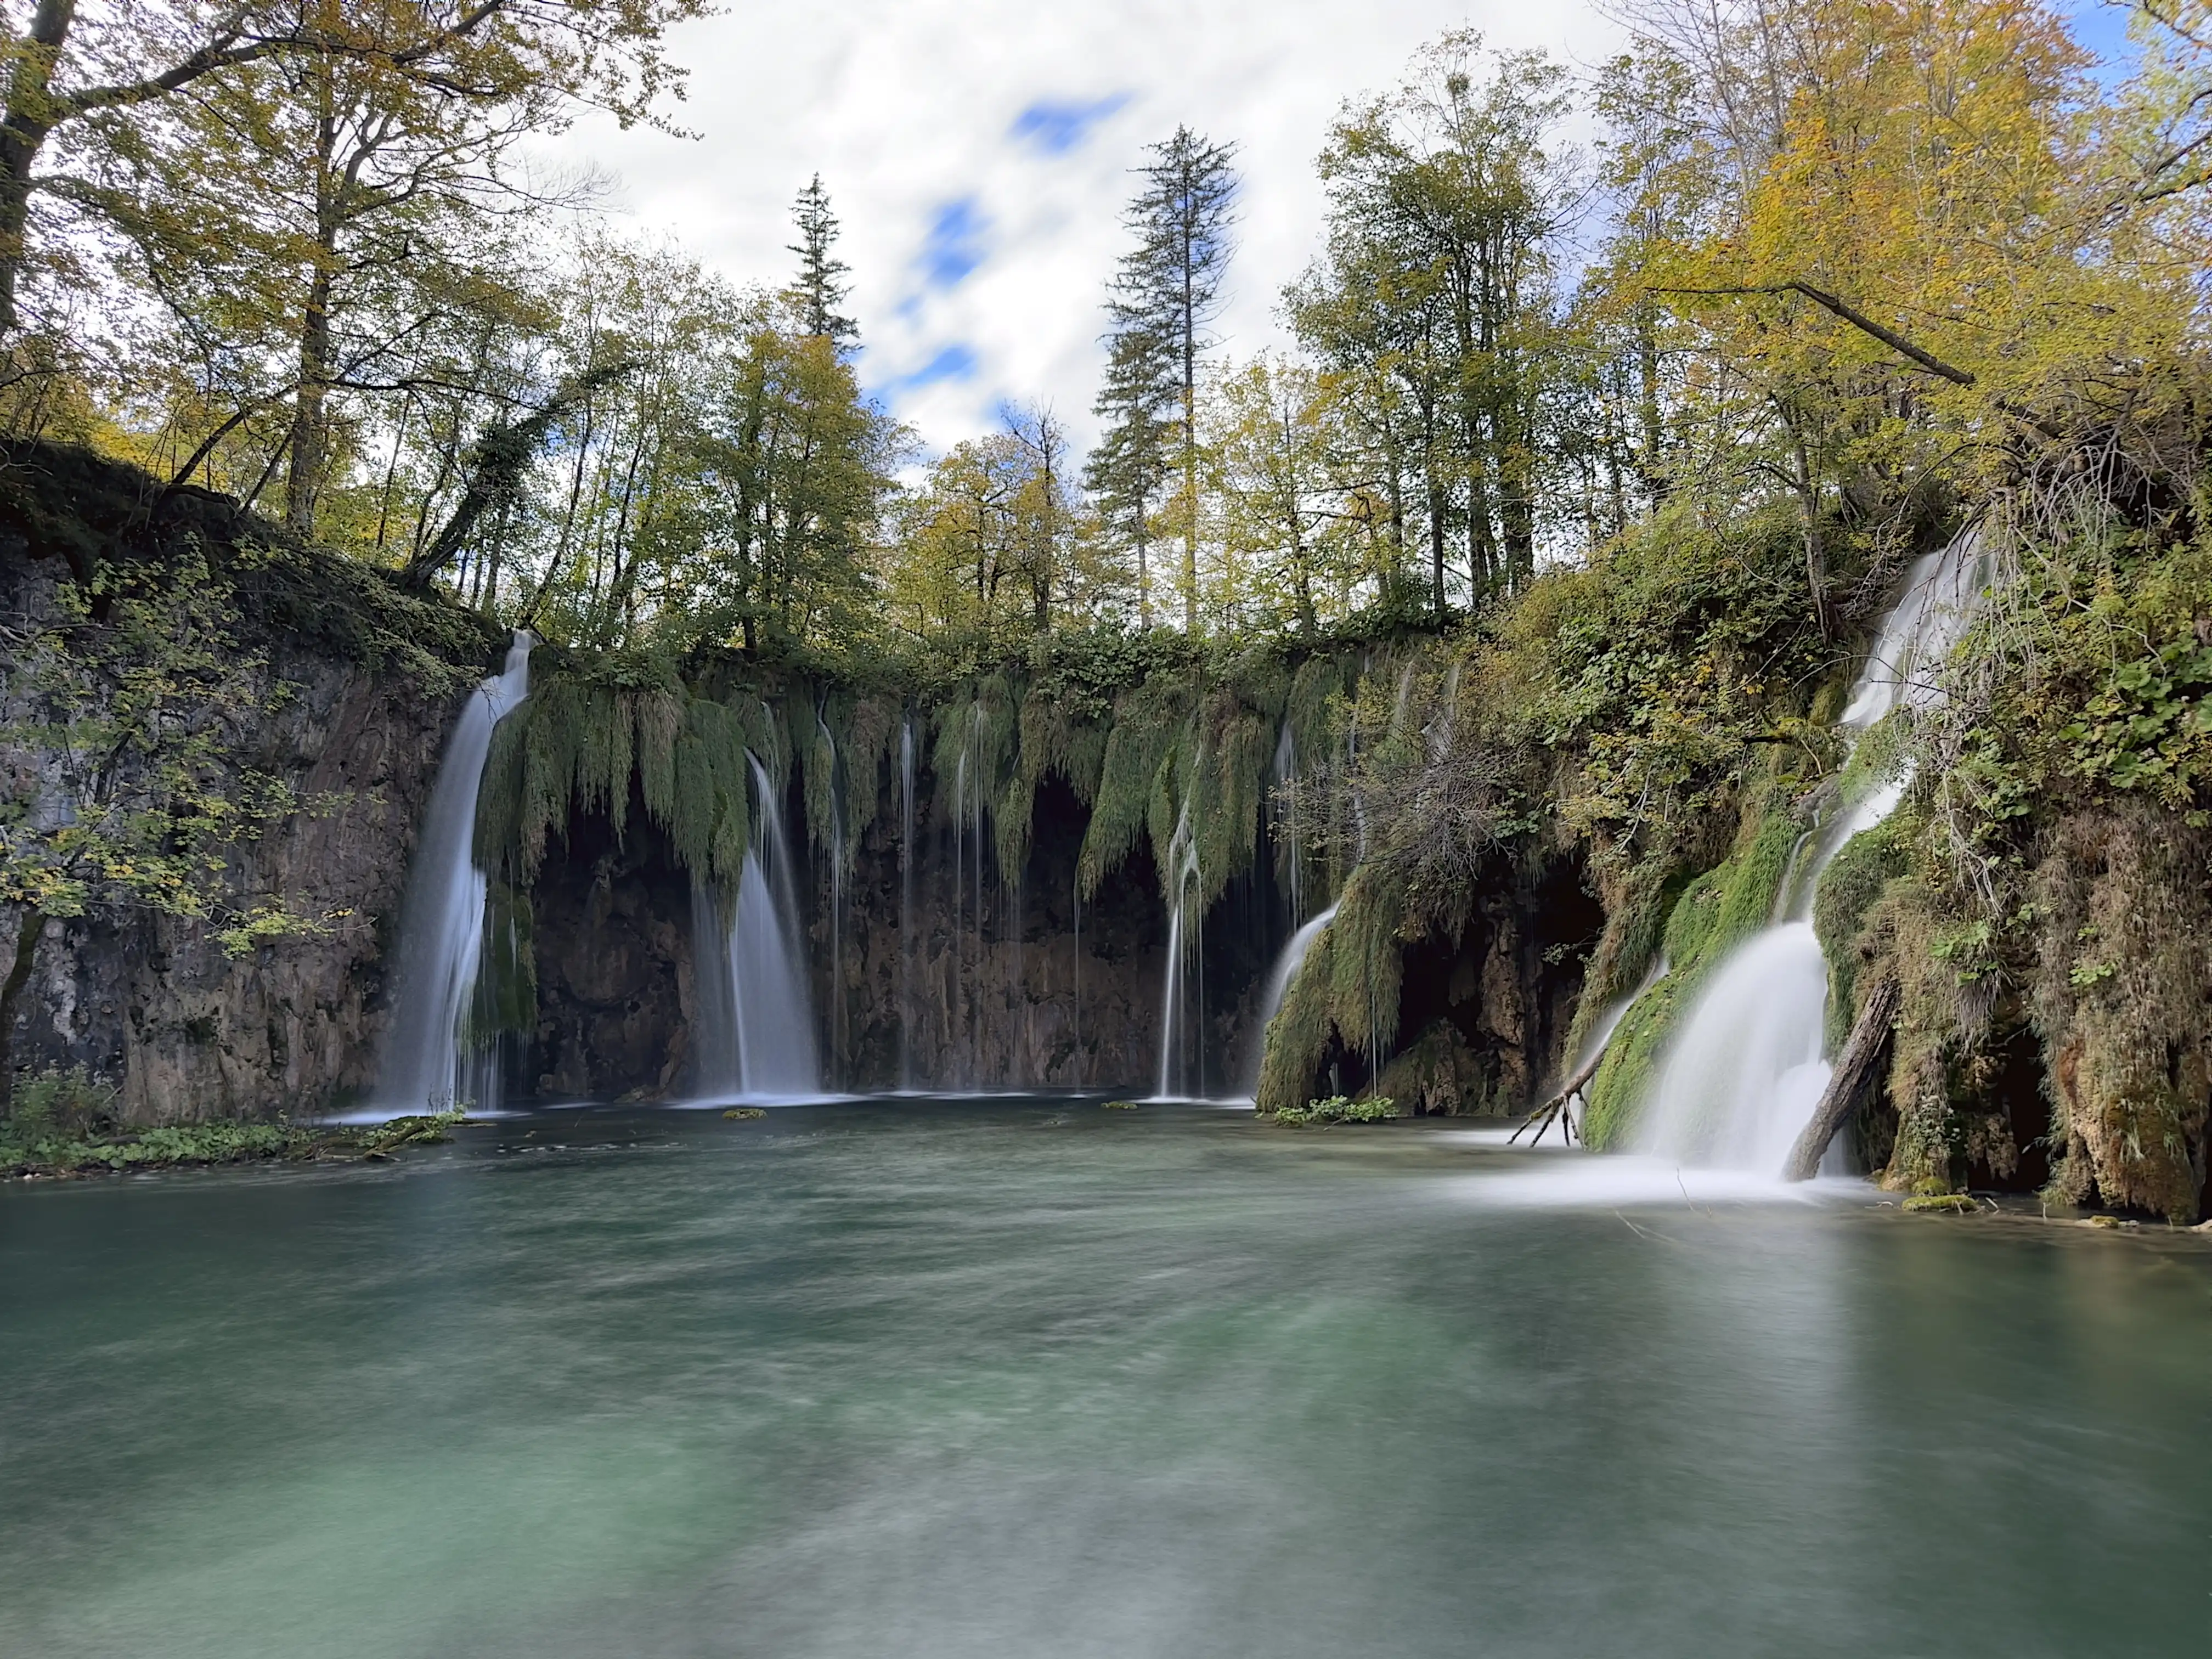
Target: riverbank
x=34 y=1146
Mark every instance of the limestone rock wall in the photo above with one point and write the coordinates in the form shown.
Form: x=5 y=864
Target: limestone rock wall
x=153 y=1004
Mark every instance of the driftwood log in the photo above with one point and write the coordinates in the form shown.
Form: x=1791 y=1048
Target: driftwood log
x=1555 y=1108
x=1854 y=1075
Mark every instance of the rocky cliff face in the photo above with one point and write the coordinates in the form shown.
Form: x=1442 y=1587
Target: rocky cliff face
x=924 y=976
x=929 y=967
x=151 y=1004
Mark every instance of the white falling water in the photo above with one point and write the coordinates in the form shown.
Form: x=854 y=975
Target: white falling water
x=442 y=924
x=838 y=1056
x=906 y=902
x=1291 y=958
x=755 y=1022
x=1284 y=779
x=1741 y=1079
x=1175 y=1082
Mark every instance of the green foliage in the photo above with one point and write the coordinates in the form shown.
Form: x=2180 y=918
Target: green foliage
x=53 y=1101
x=63 y=1123
x=1338 y=1108
x=2149 y=725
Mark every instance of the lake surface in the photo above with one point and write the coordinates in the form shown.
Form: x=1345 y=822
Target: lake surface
x=1031 y=1378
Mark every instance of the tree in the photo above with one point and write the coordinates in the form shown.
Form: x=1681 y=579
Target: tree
x=1164 y=297
x=1269 y=443
x=821 y=287
x=1127 y=469
x=1912 y=249
x=1044 y=520
x=103 y=84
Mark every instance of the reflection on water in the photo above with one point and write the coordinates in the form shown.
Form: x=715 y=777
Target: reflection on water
x=1030 y=1378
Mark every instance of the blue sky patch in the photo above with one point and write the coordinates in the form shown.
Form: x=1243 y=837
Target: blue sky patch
x=954 y=246
x=1057 y=125
x=957 y=362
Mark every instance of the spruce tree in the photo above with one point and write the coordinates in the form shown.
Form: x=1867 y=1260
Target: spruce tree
x=1131 y=462
x=1166 y=294
x=821 y=287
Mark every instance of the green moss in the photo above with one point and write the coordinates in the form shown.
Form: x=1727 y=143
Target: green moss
x=1715 y=913
x=1849 y=889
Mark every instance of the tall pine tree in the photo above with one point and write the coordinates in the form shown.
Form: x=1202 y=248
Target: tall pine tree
x=821 y=287
x=1160 y=305
x=1124 y=471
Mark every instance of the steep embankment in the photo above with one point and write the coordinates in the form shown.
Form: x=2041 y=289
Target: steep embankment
x=172 y=656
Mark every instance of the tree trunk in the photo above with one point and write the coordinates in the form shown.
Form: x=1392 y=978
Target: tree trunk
x=1853 y=1074
x=309 y=443
x=1143 y=571
x=29 y=925
x=24 y=131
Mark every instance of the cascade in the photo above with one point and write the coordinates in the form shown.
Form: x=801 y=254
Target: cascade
x=442 y=925
x=956 y=953
x=1284 y=778
x=1175 y=1082
x=1287 y=963
x=906 y=902
x=755 y=1025
x=1741 y=1078
x=837 y=1043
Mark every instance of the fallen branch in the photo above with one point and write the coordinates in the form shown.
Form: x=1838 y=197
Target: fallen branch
x=1854 y=1075
x=1556 y=1107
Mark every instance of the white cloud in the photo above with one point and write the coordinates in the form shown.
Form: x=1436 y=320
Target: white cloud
x=914 y=114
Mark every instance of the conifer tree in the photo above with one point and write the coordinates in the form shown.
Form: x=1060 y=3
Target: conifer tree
x=821 y=287
x=1124 y=471
x=1166 y=294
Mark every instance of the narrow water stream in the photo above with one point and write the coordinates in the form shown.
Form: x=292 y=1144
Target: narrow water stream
x=1031 y=1378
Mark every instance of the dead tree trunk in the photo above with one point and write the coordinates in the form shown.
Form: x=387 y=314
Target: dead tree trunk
x=1854 y=1076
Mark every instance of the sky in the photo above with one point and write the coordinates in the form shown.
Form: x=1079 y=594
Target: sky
x=978 y=154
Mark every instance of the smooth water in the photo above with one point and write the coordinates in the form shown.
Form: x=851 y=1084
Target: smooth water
x=1035 y=1379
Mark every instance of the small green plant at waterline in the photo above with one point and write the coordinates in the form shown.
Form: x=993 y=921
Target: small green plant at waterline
x=1119 y=1106
x=54 y=1102
x=740 y=1113
x=1341 y=1108
x=64 y=1124
x=1942 y=1204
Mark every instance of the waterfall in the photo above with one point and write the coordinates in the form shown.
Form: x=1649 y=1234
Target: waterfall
x=756 y=1026
x=906 y=902
x=1284 y=778
x=442 y=924
x=1741 y=1079
x=1174 y=1081
x=837 y=1044
x=1287 y=963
